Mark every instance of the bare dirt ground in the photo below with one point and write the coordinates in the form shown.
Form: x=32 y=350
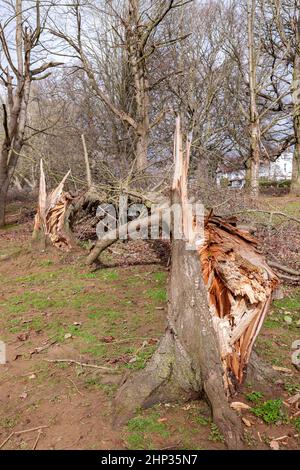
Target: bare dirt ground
x=53 y=308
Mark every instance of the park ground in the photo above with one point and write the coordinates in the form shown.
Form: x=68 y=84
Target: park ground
x=53 y=309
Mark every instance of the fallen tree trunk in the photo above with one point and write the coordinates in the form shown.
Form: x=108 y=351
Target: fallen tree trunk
x=283 y=268
x=122 y=232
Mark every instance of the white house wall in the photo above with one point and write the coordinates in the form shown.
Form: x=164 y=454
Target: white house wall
x=279 y=170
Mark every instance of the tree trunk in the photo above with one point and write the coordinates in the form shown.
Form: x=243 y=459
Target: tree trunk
x=295 y=185
x=4 y=184
x=254 y=160
x=8 y=161
x=142 y=143
x=14 y=136
x=137 y=64
x=4 y=177
x=253 y=175
x=187 y=362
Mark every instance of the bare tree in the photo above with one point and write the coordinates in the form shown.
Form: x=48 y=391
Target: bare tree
x=17 y=71
x=284 y=45
x=257 y=87
x=135 y=30
x=197 y=92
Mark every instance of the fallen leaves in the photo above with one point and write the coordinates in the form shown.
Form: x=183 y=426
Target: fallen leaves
x=108 y=339
x=152 y=341
x=23 y=336
x=44 y=346
x=124 y=359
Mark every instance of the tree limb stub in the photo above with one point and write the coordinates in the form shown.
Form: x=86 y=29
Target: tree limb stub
x=51 y=214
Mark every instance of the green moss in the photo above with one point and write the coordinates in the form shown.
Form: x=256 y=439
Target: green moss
x=33 y=300
x=47 y=262
x=136 y=441
x=288 y=303
x=271 y=323
x=95 y=383
x=96 y=349
x=254 y=397
x=15 y=324
x=109 y=314
x=148 y=424
x=104 y=275
x=142 y=358
x=157 y=293
x=291 y=387
x=160 y=277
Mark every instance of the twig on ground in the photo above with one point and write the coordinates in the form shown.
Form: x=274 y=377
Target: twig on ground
x=17 y=433
x=75 y=386
x=6 y=440
x=281 y=438
x=127 y=340
x=271 y=213
x=30 y=430
x=39 y=349
x=37 y=439
x=83 y=364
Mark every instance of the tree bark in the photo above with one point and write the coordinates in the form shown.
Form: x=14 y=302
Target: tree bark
x=121 y=232
x=13 y=143
x=252 y=178
x=187 y=362
x=295 y=185
x=4 y=184
x=137 y=62
x=142 y=144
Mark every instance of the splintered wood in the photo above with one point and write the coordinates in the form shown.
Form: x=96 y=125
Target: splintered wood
x=50 y=216
x=240 y=286
x=238 y=280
